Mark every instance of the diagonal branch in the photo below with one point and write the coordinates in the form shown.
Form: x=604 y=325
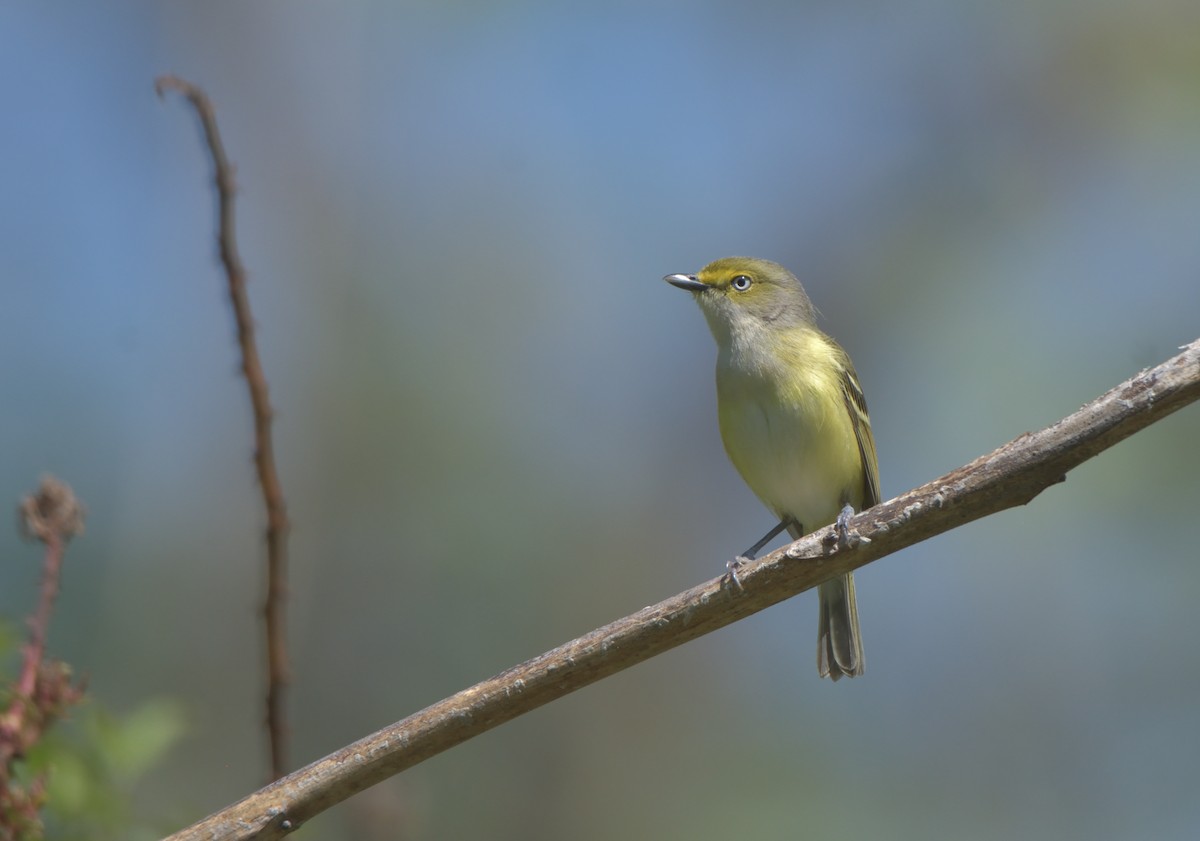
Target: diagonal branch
x=264 y=450
x=1012 y=475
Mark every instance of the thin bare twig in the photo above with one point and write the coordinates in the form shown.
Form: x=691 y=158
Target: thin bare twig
x=264 y=452
x=44 y=689
x=1012 y=475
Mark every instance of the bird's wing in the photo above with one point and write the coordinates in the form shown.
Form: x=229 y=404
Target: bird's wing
x=856 y=405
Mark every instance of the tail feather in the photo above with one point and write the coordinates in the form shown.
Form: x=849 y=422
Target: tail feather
x=839 y=641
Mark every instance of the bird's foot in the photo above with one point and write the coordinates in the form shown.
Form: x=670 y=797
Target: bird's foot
x=847 y=539
x=733 y=566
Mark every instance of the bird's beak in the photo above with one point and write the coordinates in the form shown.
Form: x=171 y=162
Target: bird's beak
x=686 y=281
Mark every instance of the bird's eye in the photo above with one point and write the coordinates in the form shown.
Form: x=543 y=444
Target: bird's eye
x=741 y=283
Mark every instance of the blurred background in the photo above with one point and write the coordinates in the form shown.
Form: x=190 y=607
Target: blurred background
x=496 y=424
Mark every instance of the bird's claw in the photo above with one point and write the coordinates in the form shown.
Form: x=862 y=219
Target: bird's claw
x=847 y=539
x=733 y=566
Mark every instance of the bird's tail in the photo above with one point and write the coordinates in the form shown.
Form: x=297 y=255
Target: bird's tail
x=839 y=641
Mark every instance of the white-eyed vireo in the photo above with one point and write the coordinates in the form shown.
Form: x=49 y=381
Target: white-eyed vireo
x=793 y=420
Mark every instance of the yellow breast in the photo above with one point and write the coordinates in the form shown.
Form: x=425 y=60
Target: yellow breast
x=787 y=430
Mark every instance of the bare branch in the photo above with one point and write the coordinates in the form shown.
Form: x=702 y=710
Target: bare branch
x=1012 y=475
x=264 y=452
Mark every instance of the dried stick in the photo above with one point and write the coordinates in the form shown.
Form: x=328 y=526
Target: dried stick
x=44 y=690
x=1012 y=475
x=264 y=451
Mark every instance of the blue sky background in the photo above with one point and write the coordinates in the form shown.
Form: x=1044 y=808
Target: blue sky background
x=496 y=424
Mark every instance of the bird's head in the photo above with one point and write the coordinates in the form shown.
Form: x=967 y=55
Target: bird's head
x=744 y=296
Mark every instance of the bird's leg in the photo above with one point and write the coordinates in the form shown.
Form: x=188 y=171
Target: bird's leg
x=749 y=555
x=847 y=539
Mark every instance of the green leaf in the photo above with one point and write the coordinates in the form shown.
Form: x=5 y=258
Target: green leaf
x=135 y=744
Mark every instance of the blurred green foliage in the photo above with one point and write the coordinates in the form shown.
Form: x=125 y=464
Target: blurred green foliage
x=91 y=761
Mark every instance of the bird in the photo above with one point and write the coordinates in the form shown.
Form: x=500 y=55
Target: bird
x=794 y=423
